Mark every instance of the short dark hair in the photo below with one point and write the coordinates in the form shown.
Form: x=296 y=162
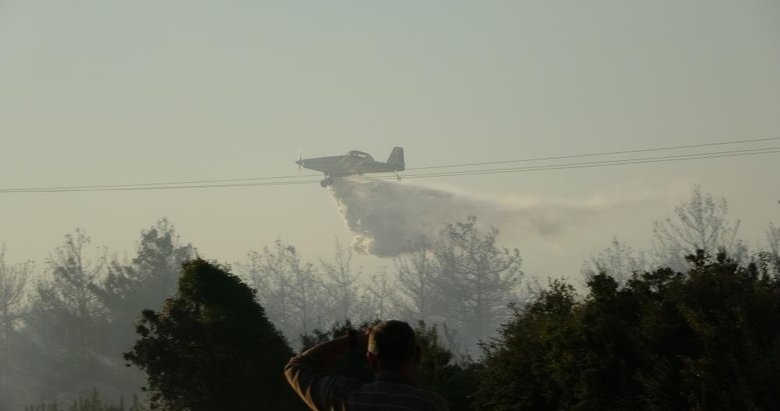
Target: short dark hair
x=392 y=342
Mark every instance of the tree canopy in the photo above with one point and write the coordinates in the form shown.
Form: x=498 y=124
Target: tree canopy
x=211 y=346
x=708 y=338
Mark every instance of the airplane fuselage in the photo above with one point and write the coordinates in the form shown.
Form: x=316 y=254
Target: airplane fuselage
x=346 y=165
x=354 y=162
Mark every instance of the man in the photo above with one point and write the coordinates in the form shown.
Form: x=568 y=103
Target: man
x=392 y=352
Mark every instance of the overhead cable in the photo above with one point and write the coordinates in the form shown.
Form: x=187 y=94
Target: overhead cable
x=485 y=171
x=223 y=181
x=607 y=153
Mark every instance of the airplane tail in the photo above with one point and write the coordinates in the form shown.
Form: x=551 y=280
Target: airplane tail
x=397 y=158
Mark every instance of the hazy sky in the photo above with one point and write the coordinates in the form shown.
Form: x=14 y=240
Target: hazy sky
x=113 y=92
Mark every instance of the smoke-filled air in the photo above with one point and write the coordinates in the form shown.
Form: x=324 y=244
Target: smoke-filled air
x=442 y=206
x=388 y=218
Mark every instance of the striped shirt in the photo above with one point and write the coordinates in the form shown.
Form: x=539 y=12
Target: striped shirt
x=324 y=392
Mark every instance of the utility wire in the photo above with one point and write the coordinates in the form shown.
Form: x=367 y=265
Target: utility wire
x=608 y=153
x=603 y=163
x=545 y=167
x=155 y=187
x=220 y=182
x=591 y=164
x=159 y=183
x=644 y=150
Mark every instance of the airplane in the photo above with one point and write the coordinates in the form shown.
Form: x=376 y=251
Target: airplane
x=354 y=162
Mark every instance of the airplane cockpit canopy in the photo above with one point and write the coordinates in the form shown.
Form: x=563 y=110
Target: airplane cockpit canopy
x=361 y=154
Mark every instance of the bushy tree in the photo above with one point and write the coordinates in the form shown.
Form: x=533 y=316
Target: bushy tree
x=441 y=371
x=143 y=282
x=708 y=338
x=211 y=347
x=532 y=362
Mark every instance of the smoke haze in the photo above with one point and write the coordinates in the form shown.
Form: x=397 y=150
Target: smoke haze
x=388 y=217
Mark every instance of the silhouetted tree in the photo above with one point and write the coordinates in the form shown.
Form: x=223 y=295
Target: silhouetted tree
x=477 y=278
x=377 y=298
x=440 y=370
x=417 y=273
x=619 y=261
x=66 y=320
x=13 y=281
x=287 y=287
x=532 y=363
x=701 y=223
x=341 y=283
x=144 y=282
x=771 y=257
x=211 y=346
x=706 y=339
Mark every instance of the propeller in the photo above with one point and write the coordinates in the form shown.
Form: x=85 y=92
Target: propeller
x=300 y=158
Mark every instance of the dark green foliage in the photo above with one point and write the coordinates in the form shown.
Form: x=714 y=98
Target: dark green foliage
x=92 y=403
x=440 y=372
x=708 y=339
x=211 y=346
x=532 y=363
x=146 y=281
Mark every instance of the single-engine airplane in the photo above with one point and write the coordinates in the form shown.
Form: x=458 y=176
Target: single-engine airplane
x=354 y=162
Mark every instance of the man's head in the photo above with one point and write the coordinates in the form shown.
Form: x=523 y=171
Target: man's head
x=393 y=347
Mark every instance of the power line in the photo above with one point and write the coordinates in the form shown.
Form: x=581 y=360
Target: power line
x=544 y=167
x=225 y=181
x=158 y=183
x=644 y=150
x=603 y=163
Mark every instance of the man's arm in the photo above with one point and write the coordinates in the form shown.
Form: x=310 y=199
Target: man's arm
x=306 y=372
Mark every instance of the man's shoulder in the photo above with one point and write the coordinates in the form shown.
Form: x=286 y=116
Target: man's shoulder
x=436 y=399
x=404 y=394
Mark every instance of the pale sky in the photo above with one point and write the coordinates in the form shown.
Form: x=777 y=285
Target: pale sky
x=114 y=92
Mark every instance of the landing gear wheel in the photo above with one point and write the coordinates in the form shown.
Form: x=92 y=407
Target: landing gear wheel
x=326 y=182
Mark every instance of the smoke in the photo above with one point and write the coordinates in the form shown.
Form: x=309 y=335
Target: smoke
x=388 y=218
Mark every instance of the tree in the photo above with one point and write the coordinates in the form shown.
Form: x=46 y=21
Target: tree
x=770 y=258
x=531 y=364
x=66 y=321
x=708 y=338
x=211 y=346
x=71 y=293
x=417 y=273
x=13 y=282
x=144 y=282
x=619 y=261
x=287 y=287
x=341 y=283
x=478 y=279
x=440 y=372
x=377 y=297
x=699 y=224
